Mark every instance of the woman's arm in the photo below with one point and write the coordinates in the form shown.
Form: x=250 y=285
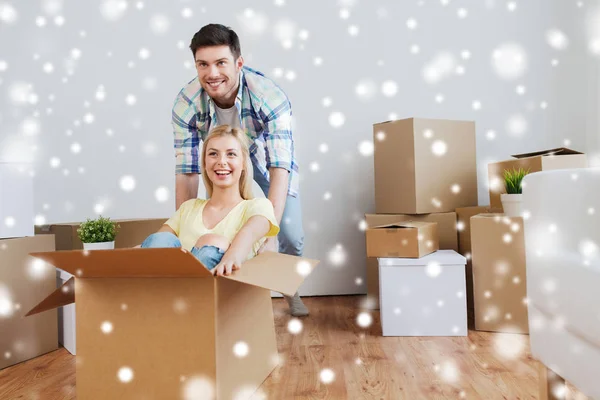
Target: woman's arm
x=254 y=229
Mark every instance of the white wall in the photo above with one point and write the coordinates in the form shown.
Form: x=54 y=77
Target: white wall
x=592 y=109
x=100 y=46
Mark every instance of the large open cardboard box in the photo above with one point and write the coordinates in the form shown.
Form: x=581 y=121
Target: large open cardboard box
x=424 y=166
x=156 y=324
x=560 y=158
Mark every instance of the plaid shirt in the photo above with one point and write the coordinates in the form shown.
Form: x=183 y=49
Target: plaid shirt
x=265 y=116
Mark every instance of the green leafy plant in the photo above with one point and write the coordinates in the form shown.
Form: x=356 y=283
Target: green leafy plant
x=98 y=230
x=513 y=179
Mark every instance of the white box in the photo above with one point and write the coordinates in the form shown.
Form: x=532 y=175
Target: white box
x=423 y=296
x=16 y=200
x=66 y=316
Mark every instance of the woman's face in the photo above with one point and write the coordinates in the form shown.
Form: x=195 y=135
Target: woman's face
x=224 y=161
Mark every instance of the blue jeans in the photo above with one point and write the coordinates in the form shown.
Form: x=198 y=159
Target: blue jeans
x=291 y=233
x=210 y=256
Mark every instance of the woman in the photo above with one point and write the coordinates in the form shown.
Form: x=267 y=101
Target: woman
x=229 y=227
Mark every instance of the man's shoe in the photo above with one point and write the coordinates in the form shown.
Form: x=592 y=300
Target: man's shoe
x=297 y=307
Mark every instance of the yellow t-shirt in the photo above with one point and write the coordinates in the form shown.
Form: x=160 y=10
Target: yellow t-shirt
x=188 y=224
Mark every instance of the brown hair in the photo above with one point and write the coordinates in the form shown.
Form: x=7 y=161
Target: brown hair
x=216 y=35
x=247 y=173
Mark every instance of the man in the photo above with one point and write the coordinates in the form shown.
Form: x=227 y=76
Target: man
x=227 y=92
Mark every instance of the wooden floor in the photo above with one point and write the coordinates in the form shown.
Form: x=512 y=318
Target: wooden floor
x=365 y=364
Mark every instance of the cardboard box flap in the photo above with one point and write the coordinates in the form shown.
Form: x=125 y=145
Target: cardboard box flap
x=62 y=296
x=370 y=220
x=404 y=224
x=127 y=263
x=560 y=151
x=278 y=272
x=496 y=216
x=391 y=120
x=47 y=227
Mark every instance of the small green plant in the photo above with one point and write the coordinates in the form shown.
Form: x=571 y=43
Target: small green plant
x=513 y=179
x=98 y=230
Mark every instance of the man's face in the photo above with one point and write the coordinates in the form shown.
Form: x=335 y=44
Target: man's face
x=218 y=72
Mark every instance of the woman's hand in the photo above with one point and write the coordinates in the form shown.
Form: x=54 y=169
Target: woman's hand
x=230 y=262
x=255 y=228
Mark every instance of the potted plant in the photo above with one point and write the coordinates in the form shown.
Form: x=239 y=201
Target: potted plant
x=511 y=200
x=98 y=234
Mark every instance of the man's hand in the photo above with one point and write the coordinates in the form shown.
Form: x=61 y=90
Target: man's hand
x=229 y=263
x=268 y=245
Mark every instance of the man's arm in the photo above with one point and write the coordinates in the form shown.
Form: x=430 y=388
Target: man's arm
x=278 y=190
x=186 y=144
x=279 y=146
x=186 y=187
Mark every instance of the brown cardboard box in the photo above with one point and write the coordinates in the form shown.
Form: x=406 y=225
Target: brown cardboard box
x=499 y=275
x=464 y=215
x=131 y=233
x=424 y=166
x=560 y=158
x=23 y=282
x=410 y=239
x=156 y=323
x=447 y=238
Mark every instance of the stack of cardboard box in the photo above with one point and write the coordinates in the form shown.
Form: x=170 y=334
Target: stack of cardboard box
x=22 y=279
x=424 y=170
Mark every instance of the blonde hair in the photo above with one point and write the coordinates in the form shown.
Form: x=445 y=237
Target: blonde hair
x=247 y=175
